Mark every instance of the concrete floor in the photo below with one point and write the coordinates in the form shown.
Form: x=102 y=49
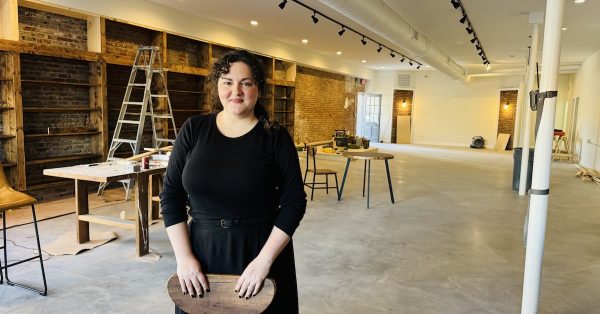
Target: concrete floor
x=452 y=243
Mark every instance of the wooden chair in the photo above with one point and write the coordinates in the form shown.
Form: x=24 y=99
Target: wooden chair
x=311 y=151
x=11 y=199
x=221 y=298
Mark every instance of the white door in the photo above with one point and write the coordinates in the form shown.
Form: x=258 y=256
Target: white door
x=368 y=116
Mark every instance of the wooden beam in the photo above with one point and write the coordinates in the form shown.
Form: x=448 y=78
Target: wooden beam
x=94 y=34
x=106 y=220
x=9 y=19
x=50 y=51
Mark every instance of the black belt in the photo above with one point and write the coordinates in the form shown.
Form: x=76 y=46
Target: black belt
x=227 y=223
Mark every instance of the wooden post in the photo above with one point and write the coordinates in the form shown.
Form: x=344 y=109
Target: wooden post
x=154 y=188
x=82 y=208
x=142 y=238
x=20 y=148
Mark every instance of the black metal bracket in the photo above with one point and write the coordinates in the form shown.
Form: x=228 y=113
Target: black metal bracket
x=536 y=98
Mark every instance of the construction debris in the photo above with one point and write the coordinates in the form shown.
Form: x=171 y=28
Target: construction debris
x=588 y=174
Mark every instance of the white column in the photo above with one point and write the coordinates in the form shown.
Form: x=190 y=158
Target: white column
x=531 y=84
x=538 y=203
x=518 y=114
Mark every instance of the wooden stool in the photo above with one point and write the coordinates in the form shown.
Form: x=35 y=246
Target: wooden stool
x=221 y=298
x=11 y=199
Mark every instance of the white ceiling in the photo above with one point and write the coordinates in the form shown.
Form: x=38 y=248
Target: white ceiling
x=501 y=26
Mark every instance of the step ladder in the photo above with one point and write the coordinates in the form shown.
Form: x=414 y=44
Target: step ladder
x=133 y=112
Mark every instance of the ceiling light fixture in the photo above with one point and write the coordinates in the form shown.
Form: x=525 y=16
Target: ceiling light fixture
x=253 y=23
x=578 y=1
x=457 y=4
x=314 y=18
x=410 y=62
x=418 y=66
x=564 y=28
x=363 y=61
x=402 y=60
x=364 y=38
x=338 y=53
x=282 y=4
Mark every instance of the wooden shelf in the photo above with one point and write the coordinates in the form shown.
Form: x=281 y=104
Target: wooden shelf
x=58 y=110
x=6 y=136
x=2 y=108
x=284 y=98
x=59 y=83
x=7 y=164
x=185 y=91
x=184 y=69
x=5 y=79
x=50 y=184
x=63 y=158
x=283 y=111
x=61 y=134
x=286 y=124
x=191 y=110
x=281 y=83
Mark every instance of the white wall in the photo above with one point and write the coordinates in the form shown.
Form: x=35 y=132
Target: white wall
x=450 y=112
x=152 y=15
x=586 y=88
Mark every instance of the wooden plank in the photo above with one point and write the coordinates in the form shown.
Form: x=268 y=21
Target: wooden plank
x=57 y=110
x=58 y=83
x=59 y=134
x=502 y=141
x=17 y=127
x=82 y=208
x=106 y=220
x=63 y=158
x=154 y=183
x=54 y=130
x=50 y=51
x=188 y=70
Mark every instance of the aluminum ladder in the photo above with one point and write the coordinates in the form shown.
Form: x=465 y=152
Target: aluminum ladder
x=134 y=112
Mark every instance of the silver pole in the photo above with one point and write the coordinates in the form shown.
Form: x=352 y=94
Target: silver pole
x=538 y=203
x=531 y=76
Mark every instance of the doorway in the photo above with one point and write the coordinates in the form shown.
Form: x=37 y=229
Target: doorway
x=368 y=116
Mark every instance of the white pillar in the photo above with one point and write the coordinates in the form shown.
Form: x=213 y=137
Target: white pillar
x=538 y=203
x=9 y=19
x=518 y=114
x=531 y=84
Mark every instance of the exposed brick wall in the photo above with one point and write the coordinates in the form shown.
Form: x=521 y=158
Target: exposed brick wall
x=42 y=68
x=320 y=100
x=400 y=96
x=48 y=147
x=124 y=40
x=506 y=117
x=53 y=193
x=187 y=52
x=52 y=29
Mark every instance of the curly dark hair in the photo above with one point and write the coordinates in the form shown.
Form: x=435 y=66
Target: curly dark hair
x=223 y=66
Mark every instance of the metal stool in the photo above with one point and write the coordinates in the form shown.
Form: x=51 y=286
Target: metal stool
x=11 y=199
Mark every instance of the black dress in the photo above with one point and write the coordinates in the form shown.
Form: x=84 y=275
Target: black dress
x=254 y=181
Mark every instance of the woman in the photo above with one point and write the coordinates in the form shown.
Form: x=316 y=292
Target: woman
x=239 y=173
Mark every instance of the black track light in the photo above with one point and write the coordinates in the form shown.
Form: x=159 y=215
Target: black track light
x=478 y=47
x=392 y=54
x=418 y=66
x=455 y=3
x=379 y=49
x=402 y=60
x=474 y=40
x=463 y=19
x=469 y=30
x=314 y=18
x=363 y=41
x=410 y=62
x=282 y=4
x=481 y=53
x=342 y=31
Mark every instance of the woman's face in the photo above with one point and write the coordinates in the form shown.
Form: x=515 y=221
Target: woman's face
x=238 y=91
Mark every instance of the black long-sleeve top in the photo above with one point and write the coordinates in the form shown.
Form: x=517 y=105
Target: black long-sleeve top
x=254 y=175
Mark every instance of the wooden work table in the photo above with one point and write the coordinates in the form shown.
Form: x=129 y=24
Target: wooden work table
x=111 y=172
x=367 y=157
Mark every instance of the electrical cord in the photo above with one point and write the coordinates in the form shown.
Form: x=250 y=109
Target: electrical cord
x=28 y=248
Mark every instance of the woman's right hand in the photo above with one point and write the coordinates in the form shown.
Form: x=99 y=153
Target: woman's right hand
x=191 y=278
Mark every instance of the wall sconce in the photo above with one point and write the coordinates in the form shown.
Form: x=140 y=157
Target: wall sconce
x=506 y=106
x=404 y=104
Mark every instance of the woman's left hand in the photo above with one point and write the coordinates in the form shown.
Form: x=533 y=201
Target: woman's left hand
x=252 y=278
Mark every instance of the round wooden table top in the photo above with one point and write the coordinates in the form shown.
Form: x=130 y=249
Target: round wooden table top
x=368 y=155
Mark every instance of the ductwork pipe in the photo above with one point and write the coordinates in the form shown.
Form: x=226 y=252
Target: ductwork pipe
x=378 y=17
